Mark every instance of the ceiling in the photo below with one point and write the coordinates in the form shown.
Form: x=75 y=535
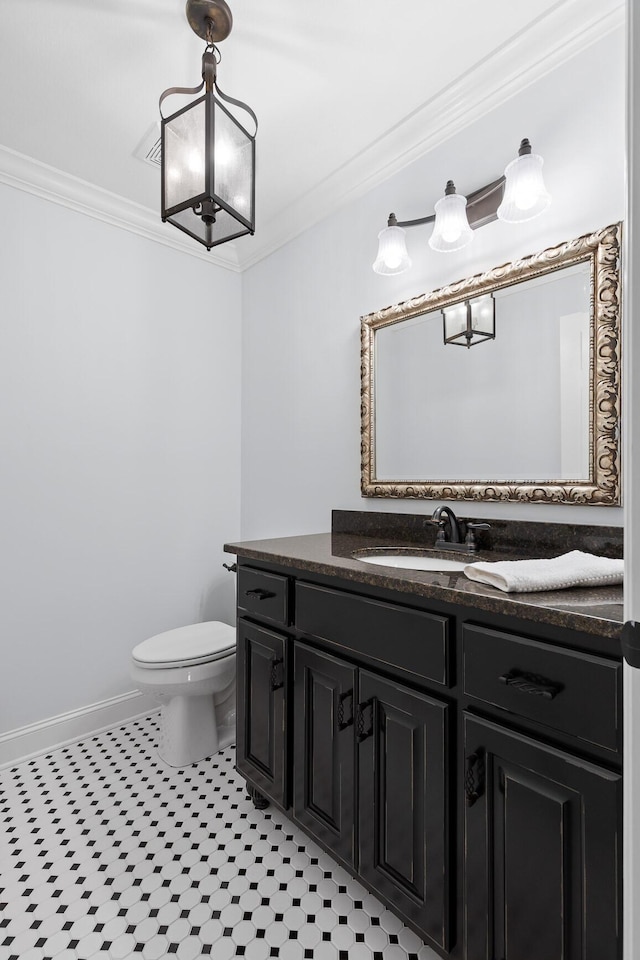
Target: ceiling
x=346 y=92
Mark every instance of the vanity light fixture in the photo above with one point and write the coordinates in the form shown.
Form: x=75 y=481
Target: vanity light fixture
x=470 y=322
x=208 y=156
x=517 y=196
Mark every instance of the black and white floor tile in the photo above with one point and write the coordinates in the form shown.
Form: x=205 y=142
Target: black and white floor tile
x=106 y=852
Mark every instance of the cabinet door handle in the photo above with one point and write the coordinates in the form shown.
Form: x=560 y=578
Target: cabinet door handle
x=531 y=683
x=277 y=673
x=259 y=593
x=474 y=777
x=344 y=722
x=364 y=724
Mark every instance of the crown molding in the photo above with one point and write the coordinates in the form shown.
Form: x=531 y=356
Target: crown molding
x=49 y=183
x=554 y=38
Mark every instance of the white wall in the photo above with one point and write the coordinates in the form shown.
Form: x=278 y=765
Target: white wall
x=119 y=474
x=301 y=306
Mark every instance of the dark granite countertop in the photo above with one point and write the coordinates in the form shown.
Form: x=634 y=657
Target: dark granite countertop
x=591 y=610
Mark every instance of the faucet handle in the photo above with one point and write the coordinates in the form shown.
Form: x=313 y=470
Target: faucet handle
x=440 y=524
x=470 y=539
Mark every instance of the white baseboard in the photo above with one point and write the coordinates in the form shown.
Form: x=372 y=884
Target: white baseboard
x=37 y=738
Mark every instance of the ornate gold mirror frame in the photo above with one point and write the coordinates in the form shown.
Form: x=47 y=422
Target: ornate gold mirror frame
x=602 y=250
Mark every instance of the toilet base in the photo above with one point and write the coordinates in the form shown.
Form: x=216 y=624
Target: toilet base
x=189 y=732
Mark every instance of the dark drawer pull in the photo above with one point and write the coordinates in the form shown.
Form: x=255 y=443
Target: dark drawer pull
x=364 y=725
x=259 y=593
x=531 y=683
x=277 y=673
x=474 y=777
x=344 y=722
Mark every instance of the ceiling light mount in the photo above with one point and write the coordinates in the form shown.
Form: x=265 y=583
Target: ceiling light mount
x=211 y=20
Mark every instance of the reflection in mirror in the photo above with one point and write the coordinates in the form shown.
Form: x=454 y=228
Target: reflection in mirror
x=528 y=413
x=539 y=359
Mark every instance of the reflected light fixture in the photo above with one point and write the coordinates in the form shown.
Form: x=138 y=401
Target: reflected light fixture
x=517 y=196
x=471 y=321
x=208 y=155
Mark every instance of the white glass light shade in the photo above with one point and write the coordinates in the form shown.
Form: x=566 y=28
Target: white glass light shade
x=525 y=196
x=392 y=252
x=208 y=162
x=451 y=230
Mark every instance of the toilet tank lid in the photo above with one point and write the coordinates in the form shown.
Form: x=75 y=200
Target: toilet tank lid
x=198 y=640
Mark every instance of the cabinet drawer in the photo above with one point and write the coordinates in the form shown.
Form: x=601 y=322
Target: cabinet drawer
x=391 y=635
x=263 y=595
x=574 y=693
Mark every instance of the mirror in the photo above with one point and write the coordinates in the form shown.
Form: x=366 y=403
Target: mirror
x=522 y=403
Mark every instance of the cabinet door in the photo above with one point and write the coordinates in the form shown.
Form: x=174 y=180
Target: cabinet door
x=261 y=670
x=542 y=848
x=324 y=750
x=403 y=801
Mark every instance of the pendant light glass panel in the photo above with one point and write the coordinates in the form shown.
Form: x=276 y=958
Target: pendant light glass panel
x=233 y=165
x=392 y=252
x=225 y=227
x=183 y=156
x=483 y=317
x=455 y=321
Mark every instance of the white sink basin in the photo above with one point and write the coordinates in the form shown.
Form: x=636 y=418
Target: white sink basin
x=405 y=561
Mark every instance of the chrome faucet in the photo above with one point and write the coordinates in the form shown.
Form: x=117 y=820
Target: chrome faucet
x=454 y=534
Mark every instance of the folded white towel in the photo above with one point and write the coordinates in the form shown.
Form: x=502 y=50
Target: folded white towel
x=574 y=569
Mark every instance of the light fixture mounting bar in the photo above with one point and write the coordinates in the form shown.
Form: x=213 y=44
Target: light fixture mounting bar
x=482 y=206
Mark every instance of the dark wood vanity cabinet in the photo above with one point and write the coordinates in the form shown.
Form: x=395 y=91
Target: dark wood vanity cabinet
x=403 y=812
x=465 y=770
x=324 y=756
x=262 y=754
x=542 y=823
x=370 y=766
x=541 y=850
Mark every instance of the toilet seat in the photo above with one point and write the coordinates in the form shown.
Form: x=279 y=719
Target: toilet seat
x=186 y=646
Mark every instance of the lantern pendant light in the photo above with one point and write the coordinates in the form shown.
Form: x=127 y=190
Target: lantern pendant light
x=208 y=155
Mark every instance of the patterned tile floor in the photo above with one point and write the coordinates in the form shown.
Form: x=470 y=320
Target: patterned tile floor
x=105 y=852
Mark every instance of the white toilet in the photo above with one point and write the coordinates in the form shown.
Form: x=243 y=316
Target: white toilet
x=191 y=671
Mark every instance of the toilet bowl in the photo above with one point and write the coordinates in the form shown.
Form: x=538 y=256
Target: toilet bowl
x=191 y=672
